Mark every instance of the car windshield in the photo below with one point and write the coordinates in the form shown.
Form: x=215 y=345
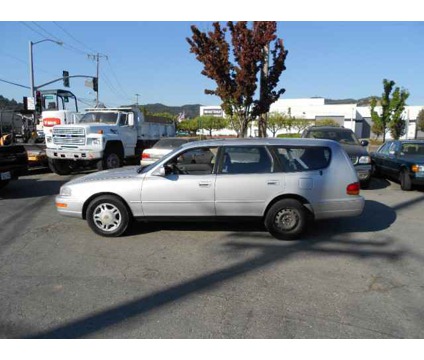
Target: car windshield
x=170 y=143
x=412 y=149
x=343 y=137
x=99 y=117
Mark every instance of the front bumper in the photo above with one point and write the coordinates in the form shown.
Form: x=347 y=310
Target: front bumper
x=67 y=206
x=363 y=171
x=74 y=154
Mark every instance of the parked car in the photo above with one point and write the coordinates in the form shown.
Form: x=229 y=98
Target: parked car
x=355 y=148
x=284 y=182
x=13 y=163
x=402 y=160
x=161 y=148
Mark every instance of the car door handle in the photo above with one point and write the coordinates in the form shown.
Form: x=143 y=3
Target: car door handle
x=205 y=184
x=273 y=182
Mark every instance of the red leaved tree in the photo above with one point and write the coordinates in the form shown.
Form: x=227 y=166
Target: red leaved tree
x=237 y=83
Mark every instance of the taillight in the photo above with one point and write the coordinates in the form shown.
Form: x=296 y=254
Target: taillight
x=145 y=155
x=51 y=121
x=353 y=189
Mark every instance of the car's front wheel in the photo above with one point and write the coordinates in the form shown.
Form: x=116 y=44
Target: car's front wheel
x=405 y=181
x=108 y=216
x=286 y=219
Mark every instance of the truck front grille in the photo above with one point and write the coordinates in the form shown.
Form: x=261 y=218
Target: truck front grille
x=69 y=136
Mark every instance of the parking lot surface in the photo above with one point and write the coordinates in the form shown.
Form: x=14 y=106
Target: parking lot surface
x=349 y=278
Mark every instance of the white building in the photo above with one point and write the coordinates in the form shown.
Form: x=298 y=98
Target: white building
x=352 y=116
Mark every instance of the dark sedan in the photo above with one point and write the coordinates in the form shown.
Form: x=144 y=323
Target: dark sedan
x=402 y=160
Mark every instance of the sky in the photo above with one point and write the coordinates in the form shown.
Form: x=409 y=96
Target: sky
x=331 y=59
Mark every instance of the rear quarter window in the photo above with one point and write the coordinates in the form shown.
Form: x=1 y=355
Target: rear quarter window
x=299 y=159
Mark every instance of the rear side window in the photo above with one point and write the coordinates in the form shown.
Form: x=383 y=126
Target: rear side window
x=246 y=160
x=298 y=159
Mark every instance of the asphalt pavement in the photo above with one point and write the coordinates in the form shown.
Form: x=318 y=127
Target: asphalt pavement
x=349 y=278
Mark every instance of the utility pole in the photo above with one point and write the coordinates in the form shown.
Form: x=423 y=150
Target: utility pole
x=136 y=102
x=97 y=58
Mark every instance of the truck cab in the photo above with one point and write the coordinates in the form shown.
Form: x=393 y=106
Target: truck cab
x=104 y=138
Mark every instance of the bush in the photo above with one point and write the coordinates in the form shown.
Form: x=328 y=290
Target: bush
x=288 y=136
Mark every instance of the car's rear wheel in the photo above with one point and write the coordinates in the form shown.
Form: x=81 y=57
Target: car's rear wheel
x=405 y=181
x=108 y=216
x=286 y=219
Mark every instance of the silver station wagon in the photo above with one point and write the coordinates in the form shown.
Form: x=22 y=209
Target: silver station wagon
x=284 y=182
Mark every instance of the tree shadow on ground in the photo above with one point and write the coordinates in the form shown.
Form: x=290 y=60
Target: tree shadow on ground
x=265 y=254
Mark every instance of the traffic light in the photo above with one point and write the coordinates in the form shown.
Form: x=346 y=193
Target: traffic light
x=95 y=84
x=38 y=102
x=65 y=78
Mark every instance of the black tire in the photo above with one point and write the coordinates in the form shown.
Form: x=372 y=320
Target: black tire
x=286 y=219
x=3 y=183
x=60 y=167
x=112 y=158
x=108 y=216
x=405 y=181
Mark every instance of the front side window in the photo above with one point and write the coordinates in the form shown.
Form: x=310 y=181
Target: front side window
x=296 y=159
x=123 y=119
x=198 y=161
x=246 y=160
x=412 y=149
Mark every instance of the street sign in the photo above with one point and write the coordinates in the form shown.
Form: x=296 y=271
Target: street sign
x=30 y=103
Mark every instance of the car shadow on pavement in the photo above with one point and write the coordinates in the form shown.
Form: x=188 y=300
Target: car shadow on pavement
x=378 y=183
x=324 y=240
x=31 y=188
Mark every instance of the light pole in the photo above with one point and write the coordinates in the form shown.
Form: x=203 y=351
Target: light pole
x=31 y=62
x=136 y=102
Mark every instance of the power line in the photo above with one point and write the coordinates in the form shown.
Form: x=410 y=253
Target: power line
x=73 y=37
x=117 y=80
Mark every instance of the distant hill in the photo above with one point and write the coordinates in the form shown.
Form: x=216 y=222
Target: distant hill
x=191 y=111
x=360 y=102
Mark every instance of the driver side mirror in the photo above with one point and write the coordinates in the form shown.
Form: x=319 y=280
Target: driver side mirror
x=163 y=171
x=364 y=142
x=131 y=119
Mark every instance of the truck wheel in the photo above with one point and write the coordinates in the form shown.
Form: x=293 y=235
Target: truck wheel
x=3 y=183
x=108 y=216
x=286 y=219
x=60 y=167
x=405 y=181
x=112 y=159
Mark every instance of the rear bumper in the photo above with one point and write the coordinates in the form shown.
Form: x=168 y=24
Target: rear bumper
x=339 y=208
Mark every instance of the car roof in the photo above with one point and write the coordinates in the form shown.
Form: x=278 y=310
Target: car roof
x=263 y=142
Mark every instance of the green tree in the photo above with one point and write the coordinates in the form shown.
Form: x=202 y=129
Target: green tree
x=237 y=83
x=190 y=125
x=300 y=124
x=327 y=122
x=393 y=101
x=277 y=121
x=420 y=120
x=211 y=123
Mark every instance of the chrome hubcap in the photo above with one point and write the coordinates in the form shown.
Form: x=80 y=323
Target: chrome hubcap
x=107 y=217
x=287 y=219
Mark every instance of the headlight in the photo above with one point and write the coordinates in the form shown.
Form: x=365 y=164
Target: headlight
x=364 y=160
x=65 y=191
x=94 y=141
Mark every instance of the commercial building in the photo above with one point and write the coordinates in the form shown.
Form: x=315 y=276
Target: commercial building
x=351 y=116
